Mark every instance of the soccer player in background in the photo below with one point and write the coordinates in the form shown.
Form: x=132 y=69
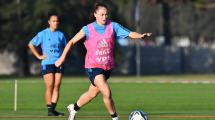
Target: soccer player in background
x=99 y=60
x=52 y=42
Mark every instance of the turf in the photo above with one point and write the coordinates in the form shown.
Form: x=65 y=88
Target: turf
x=162 y=101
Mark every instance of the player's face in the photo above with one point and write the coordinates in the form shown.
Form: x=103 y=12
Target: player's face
x=53 y=22
x=101 y=15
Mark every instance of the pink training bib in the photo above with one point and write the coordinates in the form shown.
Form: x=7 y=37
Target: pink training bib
x=100 y=48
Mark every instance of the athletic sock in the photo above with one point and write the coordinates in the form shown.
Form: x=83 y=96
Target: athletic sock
x=50 y=108
x=54 y=105
x=76 y=107
x=114 y=115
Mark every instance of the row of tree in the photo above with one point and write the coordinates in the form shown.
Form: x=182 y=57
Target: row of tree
x=20 y=20
x=170 y=18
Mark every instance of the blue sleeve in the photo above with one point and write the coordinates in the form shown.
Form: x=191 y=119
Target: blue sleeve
x=64 y=40
x=86 y=31
x=120 y=31
x=37 y=40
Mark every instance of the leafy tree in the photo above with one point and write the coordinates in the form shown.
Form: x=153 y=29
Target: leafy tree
x=22 y=19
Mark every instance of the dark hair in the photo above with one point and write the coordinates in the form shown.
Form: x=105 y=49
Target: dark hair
x=95 y=8
x=50 y=14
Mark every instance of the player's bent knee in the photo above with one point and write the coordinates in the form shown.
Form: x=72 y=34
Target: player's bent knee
x=92 y=95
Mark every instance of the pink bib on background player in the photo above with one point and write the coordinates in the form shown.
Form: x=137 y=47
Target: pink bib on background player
x=100 y=48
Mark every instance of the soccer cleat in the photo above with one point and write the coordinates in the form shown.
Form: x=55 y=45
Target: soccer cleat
x=72 y=112
x=58 y=113
x=51 y=114
x=115 y=118
x=55 y=113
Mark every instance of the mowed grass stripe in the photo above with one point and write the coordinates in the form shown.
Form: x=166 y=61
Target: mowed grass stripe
x=152 y=116
x=158 y=100
x=161 y=79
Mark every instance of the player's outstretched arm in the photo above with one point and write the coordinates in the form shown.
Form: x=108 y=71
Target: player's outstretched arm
x=136 y=35
x=69 y=45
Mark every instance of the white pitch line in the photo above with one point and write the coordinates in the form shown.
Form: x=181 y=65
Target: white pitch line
x=167 y=81
x=133 y=81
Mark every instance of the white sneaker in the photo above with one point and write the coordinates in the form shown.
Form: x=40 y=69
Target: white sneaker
x=116 y=118
x=72 y=112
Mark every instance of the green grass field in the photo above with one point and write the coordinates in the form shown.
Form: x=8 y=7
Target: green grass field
x=174 y=97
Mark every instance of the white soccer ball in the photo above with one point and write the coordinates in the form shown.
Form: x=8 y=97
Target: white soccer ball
x=137 y=115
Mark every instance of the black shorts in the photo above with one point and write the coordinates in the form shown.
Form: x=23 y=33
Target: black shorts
x=93 y=72
x=51 y=68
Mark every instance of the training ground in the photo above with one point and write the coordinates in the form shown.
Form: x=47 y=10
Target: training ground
x=163 y=97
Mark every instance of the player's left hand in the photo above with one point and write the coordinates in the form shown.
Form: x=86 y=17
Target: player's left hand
x=144 y=35
x=59 y=62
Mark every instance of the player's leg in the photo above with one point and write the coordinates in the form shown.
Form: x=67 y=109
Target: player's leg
x=55 y=92
x=92 y=91
x=83 y=100
x=56 y=87
x=102 y=85
x=51 y=97
x=49 y=81
x=88 y=96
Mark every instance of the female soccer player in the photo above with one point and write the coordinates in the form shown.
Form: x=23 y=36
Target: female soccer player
x=52 y=42
x=99 y=60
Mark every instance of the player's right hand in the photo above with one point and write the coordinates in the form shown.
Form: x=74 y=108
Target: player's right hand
x=42 y=57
